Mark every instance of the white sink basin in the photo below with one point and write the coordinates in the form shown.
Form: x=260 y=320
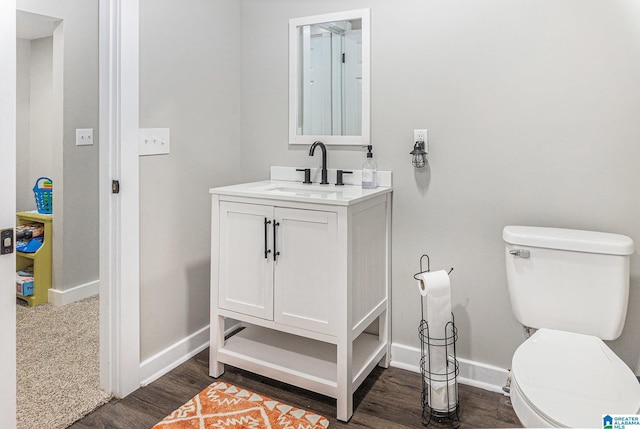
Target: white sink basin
x=303 y=190
x=297 y=191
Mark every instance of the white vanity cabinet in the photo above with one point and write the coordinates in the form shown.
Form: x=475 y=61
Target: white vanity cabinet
x=278 y=264
x=307 y=273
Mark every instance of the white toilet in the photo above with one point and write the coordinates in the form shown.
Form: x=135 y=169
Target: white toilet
x=573 y=286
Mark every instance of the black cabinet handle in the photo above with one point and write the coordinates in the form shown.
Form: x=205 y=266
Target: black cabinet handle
x=275 y=251
x=266 y=251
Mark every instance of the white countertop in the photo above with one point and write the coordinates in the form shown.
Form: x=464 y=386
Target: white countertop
x=284 y=190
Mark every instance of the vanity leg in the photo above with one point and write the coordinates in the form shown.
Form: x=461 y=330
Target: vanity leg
x=383 y=335
x=345 y=381
x=216 y=369
x=384 y=321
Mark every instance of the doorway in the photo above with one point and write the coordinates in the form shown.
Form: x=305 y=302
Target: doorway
x=119 y=285
x=57 y=90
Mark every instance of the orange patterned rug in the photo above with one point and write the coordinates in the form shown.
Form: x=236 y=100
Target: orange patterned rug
x=225 y=406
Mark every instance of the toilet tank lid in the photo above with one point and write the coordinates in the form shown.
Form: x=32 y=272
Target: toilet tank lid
x=569 y=239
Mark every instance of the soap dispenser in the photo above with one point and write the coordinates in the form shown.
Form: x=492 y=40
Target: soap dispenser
x=369 y=171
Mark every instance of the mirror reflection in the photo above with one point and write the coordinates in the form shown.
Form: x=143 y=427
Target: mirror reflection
x=329 y=85
x=330 y=78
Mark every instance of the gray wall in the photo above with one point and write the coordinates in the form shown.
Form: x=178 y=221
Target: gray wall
x=189 y=82
x=41 y=113
x=532 y=110
x=532 y=114
x=81 y=228
x=76 y=177
x=24 y=195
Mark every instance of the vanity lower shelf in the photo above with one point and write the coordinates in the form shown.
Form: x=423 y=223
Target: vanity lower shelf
x=299 y=361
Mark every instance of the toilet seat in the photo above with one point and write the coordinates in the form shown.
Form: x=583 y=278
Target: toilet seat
x=571 y=380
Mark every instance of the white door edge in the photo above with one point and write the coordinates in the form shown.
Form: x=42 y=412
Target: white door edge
x=119 y=213
x=8 y=212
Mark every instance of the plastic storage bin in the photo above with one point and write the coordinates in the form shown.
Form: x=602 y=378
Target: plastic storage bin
x=43 y=191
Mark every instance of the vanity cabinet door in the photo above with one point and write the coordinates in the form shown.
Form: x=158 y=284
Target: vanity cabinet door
x=306 y=269
x=246 y=273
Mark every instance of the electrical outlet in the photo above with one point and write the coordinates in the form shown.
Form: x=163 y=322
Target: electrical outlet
x=419 y=135
x=422 y=136
x=154 y=141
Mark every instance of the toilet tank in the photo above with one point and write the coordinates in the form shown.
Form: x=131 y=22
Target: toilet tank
x=570 y=280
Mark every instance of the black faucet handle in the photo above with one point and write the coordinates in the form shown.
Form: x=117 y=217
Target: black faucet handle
x=339 y=174
x=307 y=174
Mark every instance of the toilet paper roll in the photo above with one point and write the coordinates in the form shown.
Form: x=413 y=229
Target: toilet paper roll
x=435 y=287
x=437 y=397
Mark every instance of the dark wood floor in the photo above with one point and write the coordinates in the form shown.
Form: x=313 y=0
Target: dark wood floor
x=388 y=399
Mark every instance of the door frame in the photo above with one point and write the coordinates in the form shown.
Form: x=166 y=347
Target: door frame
x=119 y=213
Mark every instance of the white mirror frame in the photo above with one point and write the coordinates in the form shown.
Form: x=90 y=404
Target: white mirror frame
x=294 y=65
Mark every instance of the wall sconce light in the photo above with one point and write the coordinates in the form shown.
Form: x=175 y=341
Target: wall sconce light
x=419 y=157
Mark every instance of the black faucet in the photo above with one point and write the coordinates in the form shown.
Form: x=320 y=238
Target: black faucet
x=324 y=160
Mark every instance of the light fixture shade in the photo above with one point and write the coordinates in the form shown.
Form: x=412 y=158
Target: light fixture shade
x=419 y=155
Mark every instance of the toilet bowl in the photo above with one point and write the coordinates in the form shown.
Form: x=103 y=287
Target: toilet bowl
x=564 y=379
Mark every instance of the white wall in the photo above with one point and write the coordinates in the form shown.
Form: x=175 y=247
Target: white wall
x=189 y=82
x=532 y=110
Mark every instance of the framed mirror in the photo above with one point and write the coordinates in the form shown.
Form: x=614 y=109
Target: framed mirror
x=329 y=78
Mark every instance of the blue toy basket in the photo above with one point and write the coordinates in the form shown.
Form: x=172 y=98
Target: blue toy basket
x=44 y=195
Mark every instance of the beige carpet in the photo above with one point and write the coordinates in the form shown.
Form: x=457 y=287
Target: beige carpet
x=57 y=364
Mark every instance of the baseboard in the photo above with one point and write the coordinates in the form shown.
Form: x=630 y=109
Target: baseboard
x=472 y=373
x=64 y=297
x=166 y=360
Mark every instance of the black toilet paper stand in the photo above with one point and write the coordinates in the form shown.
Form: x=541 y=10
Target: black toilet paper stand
x=428 y=342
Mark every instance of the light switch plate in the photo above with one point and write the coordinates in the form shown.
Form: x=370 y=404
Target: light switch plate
x=84 y=136
x=154 y=141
